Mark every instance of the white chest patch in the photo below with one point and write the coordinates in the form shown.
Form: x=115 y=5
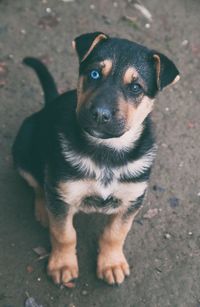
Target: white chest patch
x=74 y=192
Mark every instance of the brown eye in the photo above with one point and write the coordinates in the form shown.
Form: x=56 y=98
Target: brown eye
x=136 y=88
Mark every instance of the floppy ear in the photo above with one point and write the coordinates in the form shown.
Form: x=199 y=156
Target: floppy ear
x=85 y=43
x=166 y=71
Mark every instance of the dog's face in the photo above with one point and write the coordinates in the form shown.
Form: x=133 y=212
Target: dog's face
x=118 y=81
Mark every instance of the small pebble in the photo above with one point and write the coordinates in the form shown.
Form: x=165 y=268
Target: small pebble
x=11 y=56
x=181 y=164
x=190 y=233
x=48 y=10
x=147 y=25
x=38 y=279
x=84 y=292
x=184 y=42
x=23 y=31
x=92 y=6
x=115 y=4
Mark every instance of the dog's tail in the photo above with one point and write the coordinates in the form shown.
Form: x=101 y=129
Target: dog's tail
x=46 y=80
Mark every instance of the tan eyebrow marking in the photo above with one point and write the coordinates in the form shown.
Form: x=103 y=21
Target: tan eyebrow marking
x=130 y=75
x=106 y=67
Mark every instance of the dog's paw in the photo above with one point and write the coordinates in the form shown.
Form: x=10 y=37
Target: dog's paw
x=112 y=267
x=41 y=212
x=62 y=268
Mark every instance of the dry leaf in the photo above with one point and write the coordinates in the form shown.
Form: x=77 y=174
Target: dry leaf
x=144 y=11
x=40 y=251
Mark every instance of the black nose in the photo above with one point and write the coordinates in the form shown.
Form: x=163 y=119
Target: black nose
x=101 y=115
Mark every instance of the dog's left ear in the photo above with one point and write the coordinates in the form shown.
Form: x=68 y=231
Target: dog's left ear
x=166 y=71
x=85 y=43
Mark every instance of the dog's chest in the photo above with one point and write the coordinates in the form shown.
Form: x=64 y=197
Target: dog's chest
x=101 y=187
x=103 y=193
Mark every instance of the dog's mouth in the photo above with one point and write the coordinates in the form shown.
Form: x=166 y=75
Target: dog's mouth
x=101 y=135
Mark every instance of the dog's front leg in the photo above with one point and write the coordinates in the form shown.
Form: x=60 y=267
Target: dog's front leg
x=112 y=265
x=63 y=264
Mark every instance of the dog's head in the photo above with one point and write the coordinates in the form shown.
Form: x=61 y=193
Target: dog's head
x=118 y=81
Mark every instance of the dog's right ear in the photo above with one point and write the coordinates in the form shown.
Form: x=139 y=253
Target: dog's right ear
x=85 y=43
x=166 y=71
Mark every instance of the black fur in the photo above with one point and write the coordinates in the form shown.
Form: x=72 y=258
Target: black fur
x=134 y=206
x=46 y=80
x=38 y=146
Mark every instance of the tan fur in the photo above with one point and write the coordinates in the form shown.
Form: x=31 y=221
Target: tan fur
x=126 y=111
x=173 y=82
x=123 y=142
x=158 y=66
x=158 y=69
x=106 y=67
x=99 y=38
x=111 y=264
x=130 y=75
x=82 y=96
x=29 y=178
x=135 y=119
x=40 y=203
x=143 y=109
x=63 y=265
x=40 y=208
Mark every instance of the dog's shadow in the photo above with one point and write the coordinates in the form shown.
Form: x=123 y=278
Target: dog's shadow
x=89 y=227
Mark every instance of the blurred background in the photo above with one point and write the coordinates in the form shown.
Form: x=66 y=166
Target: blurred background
x=163 y=247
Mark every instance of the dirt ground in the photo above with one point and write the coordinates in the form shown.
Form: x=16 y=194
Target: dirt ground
x=163 y=247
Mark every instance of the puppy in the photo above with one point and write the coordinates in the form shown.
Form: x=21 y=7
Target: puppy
x=92 y=149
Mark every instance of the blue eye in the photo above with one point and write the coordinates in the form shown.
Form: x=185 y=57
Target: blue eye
x=94 y=74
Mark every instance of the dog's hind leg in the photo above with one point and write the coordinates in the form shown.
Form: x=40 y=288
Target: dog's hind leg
x=40 y=207
x=40 y=202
